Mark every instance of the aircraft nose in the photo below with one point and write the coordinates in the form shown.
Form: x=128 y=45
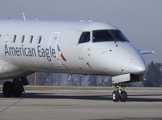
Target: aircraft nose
x=137 y=66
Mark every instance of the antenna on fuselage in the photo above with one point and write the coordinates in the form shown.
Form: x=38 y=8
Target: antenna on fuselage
x=23 y=16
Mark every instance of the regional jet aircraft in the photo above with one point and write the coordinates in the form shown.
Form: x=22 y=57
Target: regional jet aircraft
x=75 y=47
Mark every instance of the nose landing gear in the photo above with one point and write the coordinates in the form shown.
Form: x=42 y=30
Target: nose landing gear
x=119 y=94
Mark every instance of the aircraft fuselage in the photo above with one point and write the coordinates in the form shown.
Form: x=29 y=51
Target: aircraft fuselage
x=53 y=46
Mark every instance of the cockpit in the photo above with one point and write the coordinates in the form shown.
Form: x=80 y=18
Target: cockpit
x=103 y=36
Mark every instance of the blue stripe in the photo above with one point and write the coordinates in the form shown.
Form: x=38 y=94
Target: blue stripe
x=58 y=48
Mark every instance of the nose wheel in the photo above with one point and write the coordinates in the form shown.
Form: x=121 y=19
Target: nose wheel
x=119 y=94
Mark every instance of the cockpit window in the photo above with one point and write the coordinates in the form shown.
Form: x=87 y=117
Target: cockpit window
x=85 y=37
x=108 y=35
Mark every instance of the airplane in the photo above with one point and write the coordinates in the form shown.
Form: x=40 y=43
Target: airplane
x=75 y=47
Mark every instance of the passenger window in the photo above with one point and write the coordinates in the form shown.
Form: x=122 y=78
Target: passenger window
x=14 y=38
x=39 y=39
x=31 y=38
x=6 y=38
x=23 y=37
x=85 y=37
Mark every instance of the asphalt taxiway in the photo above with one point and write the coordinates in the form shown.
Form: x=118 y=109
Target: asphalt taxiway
x=82 y=105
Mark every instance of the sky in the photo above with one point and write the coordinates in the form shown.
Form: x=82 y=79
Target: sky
x=139 y=20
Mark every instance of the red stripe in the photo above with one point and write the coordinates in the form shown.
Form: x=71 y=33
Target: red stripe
x=63 y=57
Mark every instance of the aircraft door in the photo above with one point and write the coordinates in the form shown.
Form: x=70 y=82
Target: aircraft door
x=84 y=50
x=53 y=44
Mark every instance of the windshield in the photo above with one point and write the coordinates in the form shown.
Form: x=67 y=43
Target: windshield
x=108 y=35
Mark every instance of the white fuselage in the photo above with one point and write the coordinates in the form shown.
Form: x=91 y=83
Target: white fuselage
x=53 y=46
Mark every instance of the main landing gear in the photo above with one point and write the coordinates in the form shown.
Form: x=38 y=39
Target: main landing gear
x=14 y=88
x=119 y=94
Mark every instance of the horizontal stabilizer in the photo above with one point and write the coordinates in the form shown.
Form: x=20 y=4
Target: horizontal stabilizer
x=143 y=52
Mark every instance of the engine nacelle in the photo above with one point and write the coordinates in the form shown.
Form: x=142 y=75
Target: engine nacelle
x=9 y=70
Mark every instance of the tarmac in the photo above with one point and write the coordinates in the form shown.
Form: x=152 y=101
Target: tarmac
x=82 y=105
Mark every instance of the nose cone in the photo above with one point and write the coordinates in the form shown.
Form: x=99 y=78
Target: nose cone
x=137 y=66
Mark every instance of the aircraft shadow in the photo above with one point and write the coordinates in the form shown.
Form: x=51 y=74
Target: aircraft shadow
x=54 y=96
x=142 y=98
x=131 y=98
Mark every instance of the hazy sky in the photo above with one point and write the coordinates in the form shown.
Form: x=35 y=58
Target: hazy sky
x=139 y=20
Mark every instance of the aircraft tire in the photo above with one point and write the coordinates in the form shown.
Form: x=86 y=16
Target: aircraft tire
x=123 y=96
x=7 y=89
x=17 y=93
x=115 y=96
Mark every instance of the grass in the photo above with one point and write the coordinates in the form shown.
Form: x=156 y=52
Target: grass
x=83 y=88
x=66 y=88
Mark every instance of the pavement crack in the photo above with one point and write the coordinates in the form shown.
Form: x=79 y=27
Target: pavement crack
x=11 y=105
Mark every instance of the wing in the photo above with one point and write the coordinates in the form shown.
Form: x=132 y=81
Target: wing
x=143 y=52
